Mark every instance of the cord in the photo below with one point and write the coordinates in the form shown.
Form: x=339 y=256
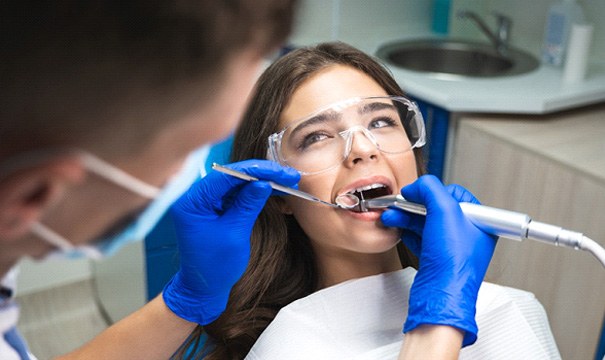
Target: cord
x=594 y=248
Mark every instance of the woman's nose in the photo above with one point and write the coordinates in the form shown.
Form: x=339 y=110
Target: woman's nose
x=363 y=148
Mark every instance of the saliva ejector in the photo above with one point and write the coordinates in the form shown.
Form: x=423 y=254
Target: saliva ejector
x=494 y=221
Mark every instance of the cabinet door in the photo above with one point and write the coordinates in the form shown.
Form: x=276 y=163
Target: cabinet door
x=570 y=284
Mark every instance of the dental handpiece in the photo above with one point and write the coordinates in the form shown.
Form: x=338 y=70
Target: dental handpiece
x=499 y=222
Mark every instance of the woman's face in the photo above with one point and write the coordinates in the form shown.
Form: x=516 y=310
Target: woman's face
x=336 y=232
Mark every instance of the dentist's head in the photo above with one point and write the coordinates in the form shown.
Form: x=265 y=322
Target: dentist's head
x=102 y=102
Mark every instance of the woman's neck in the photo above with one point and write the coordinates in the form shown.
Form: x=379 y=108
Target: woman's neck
x=337 y=267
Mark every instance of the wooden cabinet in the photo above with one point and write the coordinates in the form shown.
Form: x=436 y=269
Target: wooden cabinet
x=552 y=168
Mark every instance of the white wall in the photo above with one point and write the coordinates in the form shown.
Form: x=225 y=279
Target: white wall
x=360 y=23
x=364 y=23
x=529 y=19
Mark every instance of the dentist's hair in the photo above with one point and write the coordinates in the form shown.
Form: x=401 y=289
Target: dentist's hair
x=282 y=266
x=109 y=73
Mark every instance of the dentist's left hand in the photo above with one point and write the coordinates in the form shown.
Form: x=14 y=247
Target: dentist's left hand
x=453 y=256
x=214 y=221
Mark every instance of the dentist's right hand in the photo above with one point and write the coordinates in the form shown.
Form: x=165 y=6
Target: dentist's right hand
x=214 y=221
x=453 y=256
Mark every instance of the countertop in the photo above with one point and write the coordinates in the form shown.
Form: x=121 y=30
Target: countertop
x=572 y=138
x=538 y=92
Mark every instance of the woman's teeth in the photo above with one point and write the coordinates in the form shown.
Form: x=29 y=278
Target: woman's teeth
x=367 y=187
x=370 y=191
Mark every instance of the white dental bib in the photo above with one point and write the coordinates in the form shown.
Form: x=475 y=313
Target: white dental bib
x=363 y=319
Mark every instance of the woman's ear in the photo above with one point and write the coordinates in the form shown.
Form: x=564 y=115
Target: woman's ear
x=28 y=193
x=283 y=205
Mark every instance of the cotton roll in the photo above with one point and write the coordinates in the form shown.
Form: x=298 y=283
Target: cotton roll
x=578 y=50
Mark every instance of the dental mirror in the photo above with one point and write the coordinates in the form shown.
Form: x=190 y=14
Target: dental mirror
x=347 y=201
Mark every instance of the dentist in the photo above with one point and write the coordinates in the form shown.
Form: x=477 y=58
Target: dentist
x=103 y=109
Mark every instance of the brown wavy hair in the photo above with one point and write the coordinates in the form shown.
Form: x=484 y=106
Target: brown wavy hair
x=282 y=265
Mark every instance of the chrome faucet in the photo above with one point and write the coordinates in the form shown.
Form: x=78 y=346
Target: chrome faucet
x=499 y=38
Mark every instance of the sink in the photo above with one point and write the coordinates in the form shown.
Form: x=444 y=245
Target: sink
x=456 y=58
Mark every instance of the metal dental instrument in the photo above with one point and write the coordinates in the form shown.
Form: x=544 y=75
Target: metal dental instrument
x=494 y=221
x=499 y=222
x=352 y=202
x=275 y=186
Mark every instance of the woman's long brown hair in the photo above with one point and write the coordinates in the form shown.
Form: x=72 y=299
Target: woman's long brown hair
x=282 y=265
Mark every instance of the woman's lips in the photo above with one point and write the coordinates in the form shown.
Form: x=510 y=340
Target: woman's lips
x=373 y=215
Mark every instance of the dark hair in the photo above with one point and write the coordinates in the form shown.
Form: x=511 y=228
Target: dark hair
x=71 y=69
x=282 y=266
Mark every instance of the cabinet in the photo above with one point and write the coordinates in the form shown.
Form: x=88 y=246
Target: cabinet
x=551 y=167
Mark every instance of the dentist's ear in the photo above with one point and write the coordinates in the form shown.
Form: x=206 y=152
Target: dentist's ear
x=28 y=192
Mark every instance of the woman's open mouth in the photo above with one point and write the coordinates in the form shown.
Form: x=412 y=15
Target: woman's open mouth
x=351 y=199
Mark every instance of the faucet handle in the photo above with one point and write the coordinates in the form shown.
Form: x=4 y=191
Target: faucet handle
x=499 y=37
x=503 y=26
x=502 y=20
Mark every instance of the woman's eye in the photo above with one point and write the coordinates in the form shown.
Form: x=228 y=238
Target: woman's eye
x=381 y=122
x=311 y=139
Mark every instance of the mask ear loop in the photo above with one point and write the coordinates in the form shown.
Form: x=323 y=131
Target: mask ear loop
x=60 y=242
x=51 y=236
x=118 y=177
x=106 y=171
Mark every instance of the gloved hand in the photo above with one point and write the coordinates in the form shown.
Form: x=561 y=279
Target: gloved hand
x=214 y=221
x=453 y=256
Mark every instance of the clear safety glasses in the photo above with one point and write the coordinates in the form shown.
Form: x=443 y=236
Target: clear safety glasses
x=324 y=139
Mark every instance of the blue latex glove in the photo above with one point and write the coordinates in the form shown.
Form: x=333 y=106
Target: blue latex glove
x=453 y=256
x=214 y=221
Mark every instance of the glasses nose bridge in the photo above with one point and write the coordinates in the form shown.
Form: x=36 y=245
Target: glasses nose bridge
x=349 y=136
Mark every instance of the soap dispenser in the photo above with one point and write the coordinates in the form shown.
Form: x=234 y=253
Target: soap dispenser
x=561 y=16
x=441 y=16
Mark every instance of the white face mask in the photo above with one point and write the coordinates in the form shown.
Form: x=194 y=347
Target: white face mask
x=144 y=223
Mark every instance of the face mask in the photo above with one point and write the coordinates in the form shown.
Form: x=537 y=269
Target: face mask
x=145 y=222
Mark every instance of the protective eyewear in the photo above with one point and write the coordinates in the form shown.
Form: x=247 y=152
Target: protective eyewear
x=323 y=140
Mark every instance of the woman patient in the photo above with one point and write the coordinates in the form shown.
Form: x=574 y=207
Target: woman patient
x=338 y=117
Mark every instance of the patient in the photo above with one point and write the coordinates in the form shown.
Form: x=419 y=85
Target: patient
x=304 y=254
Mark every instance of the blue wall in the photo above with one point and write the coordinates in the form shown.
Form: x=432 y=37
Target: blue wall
x=601 y=347
x=436 y=120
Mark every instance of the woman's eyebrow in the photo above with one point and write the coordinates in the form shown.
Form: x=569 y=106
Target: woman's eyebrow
x=375 y=106
x=323 y=117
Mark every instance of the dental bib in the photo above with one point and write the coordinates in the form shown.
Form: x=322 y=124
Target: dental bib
x=363 y=319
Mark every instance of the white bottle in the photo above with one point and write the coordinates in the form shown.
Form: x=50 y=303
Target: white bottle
x=561 y=16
